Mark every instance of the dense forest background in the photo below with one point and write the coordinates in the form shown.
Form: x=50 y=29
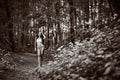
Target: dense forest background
x=62 y=21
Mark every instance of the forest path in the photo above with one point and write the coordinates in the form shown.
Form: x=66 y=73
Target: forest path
x=27 y=62
x=25 y=65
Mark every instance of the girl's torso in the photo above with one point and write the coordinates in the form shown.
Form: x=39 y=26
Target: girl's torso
x=39 y=43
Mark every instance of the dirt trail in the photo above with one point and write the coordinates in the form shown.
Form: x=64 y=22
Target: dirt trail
x=25 y=64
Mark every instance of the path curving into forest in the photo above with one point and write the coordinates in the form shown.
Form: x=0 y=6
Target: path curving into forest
x=25 y=65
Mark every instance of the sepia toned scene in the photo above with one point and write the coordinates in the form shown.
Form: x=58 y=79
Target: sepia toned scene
x=59 y=39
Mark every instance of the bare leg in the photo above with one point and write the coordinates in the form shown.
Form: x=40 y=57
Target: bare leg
x=38 y=57
x=41 y=55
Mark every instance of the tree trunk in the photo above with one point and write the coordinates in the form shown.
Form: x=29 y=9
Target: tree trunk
x=10 y=25
x=72 y=19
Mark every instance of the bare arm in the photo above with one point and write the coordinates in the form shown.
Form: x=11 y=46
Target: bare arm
x=43 y=36
x=35 y=44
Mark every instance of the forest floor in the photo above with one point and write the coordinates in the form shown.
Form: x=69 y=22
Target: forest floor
x=70 y=63
x=25 y=64
x=97 y=58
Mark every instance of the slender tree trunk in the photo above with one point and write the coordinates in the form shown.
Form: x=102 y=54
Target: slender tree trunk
x=72 y=14
x=10 y=25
